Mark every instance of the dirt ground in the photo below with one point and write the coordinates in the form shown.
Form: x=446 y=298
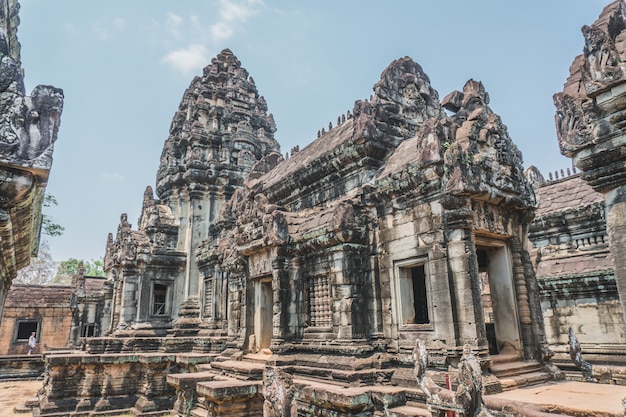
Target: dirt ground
x=13 y=393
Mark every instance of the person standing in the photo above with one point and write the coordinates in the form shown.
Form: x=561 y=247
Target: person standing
x=32 y=343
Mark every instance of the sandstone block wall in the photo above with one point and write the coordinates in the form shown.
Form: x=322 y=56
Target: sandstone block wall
x=49 y=305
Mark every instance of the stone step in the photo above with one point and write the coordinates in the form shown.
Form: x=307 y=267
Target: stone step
x=238 y=369
x=32 y=402
x=510 y=356
x=261 y=358
x=409 y=411
x=509 y=369
x=339 y=376
x=22 y=409
x=525 y=380
x=190 y=379
x=233 y=411
x=236 y=391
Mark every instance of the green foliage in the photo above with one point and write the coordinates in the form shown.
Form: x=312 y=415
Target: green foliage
x=69 y=268
x=48 y=227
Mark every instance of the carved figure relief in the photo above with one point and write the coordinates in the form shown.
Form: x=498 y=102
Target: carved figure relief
x=602 y=59
x=279 y=393
x=575 y=120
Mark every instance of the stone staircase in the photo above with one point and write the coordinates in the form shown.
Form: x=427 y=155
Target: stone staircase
x=227 y=387
x=235 y=388
x=410 y=409
x=513 y=373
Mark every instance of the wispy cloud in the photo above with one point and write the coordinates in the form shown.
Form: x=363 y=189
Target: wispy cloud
x=105 y=29
x=112 y=177
x=189 y=59
x=173 y=24
x=194 y=56
x=71 y=28
x=232 y=13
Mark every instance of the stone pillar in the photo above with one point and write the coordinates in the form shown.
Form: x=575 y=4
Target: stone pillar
x=284 y=296
x=590 y=124
x=347 y=296
x=463 y=273
x=129 y=303
x=615 y=201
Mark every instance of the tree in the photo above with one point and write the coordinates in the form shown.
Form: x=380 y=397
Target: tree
x=69 y=268
x=48 y=227
x=42 y=269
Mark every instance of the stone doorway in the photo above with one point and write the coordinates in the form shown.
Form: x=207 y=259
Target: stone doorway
x=263 y=307
x=498 y=297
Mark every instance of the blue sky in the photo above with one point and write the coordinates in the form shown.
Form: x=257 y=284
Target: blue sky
x=124 y=66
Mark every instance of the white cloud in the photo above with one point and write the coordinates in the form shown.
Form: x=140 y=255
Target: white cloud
x=231 y=16
x=112 y=177
x=188 y=60
x=232 y=13
x=221 y=31
x=173 y=23
x=105 y=29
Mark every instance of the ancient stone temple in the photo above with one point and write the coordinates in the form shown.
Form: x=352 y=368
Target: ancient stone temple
x=28 y=130
x=395 y=232
x=400 y=229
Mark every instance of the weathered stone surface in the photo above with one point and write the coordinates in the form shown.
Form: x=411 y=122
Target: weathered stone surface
x=590 y=125
x=28 y=130
x=575 y=270
x=400 y=222
x=47 y=307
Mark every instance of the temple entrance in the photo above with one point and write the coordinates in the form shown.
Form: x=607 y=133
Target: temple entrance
x=263 y=307
x=498 y=296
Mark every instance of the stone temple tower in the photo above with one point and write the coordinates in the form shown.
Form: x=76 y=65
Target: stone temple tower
x=221 y=129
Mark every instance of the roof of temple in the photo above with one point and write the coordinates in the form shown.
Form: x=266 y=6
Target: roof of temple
x=39 y=295
x=94 y=284
x=567 y=194
x=311 y=154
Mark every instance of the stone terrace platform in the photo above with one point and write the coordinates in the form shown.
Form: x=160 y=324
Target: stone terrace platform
x=565 y=398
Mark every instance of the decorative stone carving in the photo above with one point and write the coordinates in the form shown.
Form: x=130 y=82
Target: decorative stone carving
x=578 y=123
x=28 y=130
x=468 y=395
x=575 y=352
x=279 y=393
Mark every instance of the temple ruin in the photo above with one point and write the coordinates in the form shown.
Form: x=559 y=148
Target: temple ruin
x=403 y=263
x=326 y=265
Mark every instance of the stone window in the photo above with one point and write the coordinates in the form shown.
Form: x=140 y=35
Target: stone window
x=319 y=301
x=160 y=300
x=23 y=329
x=208 y=298
x=412 y=294
x=88 y=330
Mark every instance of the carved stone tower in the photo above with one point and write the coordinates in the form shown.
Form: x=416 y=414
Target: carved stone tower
x=220 y=130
